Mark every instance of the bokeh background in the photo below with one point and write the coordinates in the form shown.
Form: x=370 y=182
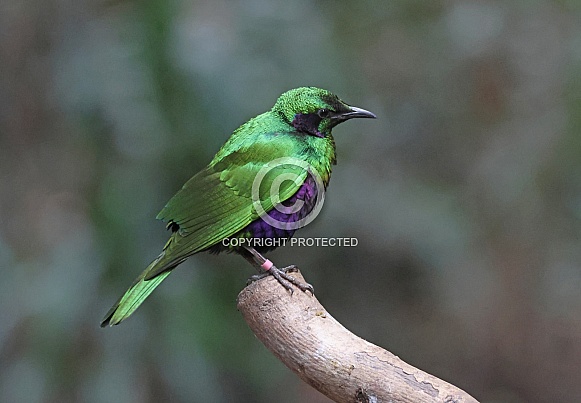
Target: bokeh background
x=465 y=194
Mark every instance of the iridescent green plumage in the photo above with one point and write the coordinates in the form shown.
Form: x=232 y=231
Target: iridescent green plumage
x=217 y=202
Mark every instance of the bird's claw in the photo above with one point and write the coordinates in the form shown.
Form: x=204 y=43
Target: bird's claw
x=284 y=279
x=283 y=273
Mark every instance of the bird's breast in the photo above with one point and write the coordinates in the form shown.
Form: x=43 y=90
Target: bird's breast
x=282 y=220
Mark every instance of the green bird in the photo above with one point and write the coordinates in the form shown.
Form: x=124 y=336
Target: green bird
x=266 y=181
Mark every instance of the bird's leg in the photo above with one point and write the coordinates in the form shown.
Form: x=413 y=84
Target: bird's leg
x=266 y=267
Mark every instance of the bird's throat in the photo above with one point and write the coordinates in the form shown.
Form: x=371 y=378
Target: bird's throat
x=308 y=123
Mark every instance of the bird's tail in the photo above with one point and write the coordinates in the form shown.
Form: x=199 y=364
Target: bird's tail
x=135 y=295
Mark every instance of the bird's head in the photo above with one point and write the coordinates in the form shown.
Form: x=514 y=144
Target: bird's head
x=315 y=111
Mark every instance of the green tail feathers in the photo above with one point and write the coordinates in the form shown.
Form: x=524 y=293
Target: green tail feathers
x=134 y=296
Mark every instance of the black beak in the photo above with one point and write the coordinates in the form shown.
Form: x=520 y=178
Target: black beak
x=355 y=112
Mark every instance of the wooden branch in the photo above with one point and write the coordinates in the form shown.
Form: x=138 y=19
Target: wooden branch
x=307 y=339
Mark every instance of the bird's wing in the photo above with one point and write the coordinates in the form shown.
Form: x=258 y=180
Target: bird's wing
x=214 y=204
x=218 y=202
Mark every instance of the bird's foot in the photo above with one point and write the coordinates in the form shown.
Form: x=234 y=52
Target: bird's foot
x=284 y=279
x=282 y=276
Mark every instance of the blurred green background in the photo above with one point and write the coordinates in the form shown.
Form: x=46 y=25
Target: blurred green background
x=465 y=194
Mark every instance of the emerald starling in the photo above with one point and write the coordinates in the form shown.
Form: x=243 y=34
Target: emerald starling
x=264 y=183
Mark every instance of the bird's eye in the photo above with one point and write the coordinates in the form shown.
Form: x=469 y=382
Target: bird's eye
x=324 y=113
